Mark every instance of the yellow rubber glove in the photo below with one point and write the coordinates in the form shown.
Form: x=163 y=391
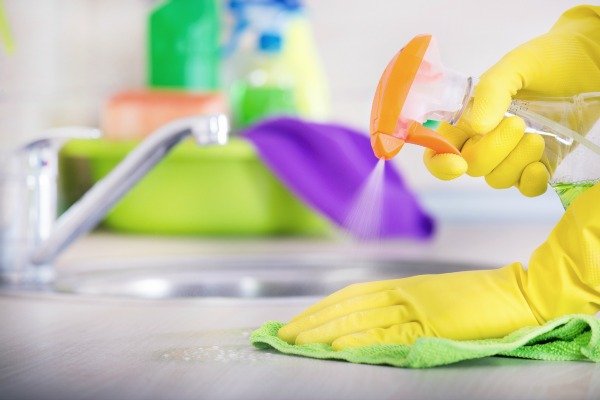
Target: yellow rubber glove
x=563 y=278
x=563 y=62
x=506 y=156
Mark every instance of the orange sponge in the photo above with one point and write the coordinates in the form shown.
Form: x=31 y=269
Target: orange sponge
x=135 y=114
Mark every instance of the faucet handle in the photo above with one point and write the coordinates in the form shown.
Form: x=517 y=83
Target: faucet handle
x=40 y=154
x=56 y=137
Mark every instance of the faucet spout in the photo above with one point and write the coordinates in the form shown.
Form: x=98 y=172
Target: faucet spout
x=93 y=206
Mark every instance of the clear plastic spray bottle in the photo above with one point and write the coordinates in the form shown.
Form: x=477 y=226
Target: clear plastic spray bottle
x=415 y=91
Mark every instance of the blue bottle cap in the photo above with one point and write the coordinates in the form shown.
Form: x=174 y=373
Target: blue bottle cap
x=270 y=42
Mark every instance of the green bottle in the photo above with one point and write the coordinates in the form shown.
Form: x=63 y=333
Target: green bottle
x=183 y=45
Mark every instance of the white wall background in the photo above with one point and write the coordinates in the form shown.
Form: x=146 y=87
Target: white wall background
x=71 y=54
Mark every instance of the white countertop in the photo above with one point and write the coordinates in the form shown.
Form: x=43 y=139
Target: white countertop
x=59 y=346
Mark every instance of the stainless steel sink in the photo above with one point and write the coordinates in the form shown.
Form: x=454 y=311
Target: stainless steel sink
x=255 y=277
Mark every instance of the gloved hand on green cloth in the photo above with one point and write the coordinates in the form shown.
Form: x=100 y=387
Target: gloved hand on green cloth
x=563 y=62
x=563 y=274
x=563 y=278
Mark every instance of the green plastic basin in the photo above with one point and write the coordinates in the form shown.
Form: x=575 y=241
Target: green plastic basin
x=221 y=190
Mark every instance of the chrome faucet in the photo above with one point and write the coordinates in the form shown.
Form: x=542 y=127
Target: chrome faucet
x=31 y=237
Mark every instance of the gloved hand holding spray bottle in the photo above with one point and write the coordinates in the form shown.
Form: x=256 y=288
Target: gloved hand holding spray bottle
x=529 y=120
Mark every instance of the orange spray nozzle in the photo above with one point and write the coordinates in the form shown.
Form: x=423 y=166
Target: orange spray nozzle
x=389 y=130
x=386 y=146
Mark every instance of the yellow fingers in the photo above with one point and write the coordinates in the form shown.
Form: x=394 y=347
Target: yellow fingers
x=447 y=166
x=534 y=180
x=530 y=149
x=386 y=298
x=484 y=153
x=405 y=333
x=354 y=323
x=506 y=156
x=490 y=102
x=355 y=290
x=444 y=166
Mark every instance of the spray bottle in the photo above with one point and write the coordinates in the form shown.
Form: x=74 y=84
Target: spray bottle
x=262 y=86
x=272 y=63
x=416 y=91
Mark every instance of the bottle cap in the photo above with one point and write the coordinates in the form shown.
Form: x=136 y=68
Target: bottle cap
x=270 y=42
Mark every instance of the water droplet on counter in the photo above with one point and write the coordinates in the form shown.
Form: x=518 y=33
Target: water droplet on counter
x=233 y=347
x=240 y=353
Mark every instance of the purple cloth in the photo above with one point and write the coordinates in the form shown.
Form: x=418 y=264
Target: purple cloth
x=326 y=165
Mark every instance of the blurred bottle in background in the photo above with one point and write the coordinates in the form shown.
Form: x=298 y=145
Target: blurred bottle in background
x=183 y=71
x=272 y=63
x=263 y=86
x=301 y=56
x=183 y=45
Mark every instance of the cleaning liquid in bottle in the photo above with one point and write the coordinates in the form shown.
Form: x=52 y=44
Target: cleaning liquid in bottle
x=572 y=139
x=567 y=192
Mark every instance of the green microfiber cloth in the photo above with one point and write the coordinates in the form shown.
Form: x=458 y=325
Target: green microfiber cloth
x=569 y=338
